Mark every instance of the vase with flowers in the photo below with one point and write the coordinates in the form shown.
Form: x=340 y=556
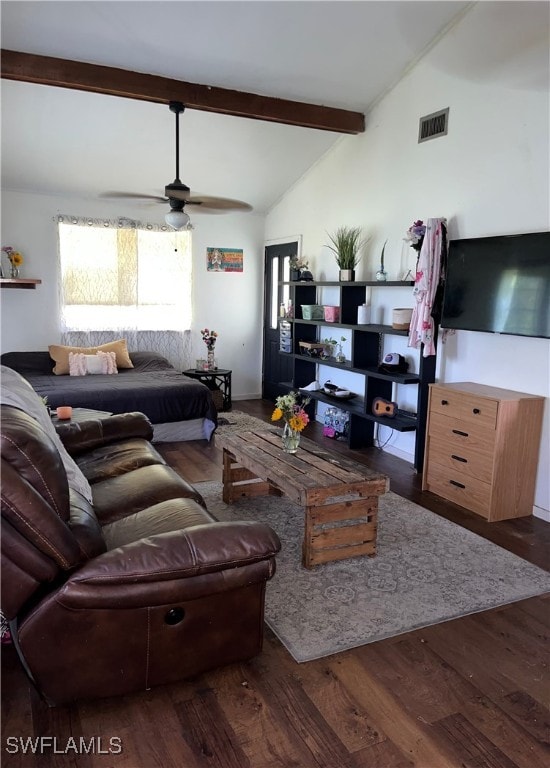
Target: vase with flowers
x=296 y=265
x=210 y=337
x=415 y=237
x=291 y=408
x=15 y=259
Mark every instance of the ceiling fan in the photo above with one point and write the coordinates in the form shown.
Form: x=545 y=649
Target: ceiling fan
x=178 y=194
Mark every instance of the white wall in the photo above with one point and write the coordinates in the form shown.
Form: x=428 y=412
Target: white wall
x=230 y=303
x=489 y=175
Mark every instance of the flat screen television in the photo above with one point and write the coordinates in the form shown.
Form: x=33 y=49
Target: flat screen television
x=499 y=284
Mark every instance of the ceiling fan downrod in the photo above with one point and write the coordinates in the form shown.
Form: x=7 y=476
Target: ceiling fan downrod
x=178 y=108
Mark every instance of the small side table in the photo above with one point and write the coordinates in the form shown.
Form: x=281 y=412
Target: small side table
x=218 y=379
x=80 y=414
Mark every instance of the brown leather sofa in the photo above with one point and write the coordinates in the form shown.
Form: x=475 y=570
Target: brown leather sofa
x=141 y=587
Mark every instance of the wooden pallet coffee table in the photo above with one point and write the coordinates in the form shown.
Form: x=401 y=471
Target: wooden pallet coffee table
x=339 y=496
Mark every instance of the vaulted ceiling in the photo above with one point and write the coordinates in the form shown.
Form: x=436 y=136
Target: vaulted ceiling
x=67 y=142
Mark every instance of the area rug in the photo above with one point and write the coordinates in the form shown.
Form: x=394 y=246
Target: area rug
x=237 y=421
x=427 y=570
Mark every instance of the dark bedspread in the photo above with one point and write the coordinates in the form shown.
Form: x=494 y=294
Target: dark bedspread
x=153 y=387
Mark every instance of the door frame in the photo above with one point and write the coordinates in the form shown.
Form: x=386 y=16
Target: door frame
x=289 y=239
x=268 y=243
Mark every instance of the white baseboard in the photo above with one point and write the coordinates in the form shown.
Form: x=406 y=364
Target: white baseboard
x=405 y=455
x=542 y=514
x=256 y=396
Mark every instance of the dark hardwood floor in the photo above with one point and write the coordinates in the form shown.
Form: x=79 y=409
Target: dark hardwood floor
x=472 y=692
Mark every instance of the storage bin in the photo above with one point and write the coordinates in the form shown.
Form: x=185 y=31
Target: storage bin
x=336 y=424
x=332 y=314
x=401 y=319
x=312 y=312
x=311 y=348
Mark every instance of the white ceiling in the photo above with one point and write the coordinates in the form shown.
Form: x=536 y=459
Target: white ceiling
x=70 y=143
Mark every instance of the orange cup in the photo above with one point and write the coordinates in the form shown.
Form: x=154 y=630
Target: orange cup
x=64 y=412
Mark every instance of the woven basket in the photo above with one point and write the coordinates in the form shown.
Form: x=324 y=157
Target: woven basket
x=217 y=397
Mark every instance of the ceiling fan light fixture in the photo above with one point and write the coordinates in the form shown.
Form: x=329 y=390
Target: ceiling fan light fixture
x=177 y=219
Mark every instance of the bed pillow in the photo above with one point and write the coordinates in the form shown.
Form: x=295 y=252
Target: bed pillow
x=102 y=363
x=150 y=361
x=60 y=354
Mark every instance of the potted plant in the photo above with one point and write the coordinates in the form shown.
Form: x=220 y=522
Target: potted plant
x=328 y=350
x=346 y=243
x=340 y=357
x=382 y=275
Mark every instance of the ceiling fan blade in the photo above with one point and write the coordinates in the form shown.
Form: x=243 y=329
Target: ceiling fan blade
x=178 y=194
x=206 y=203
x=133 y=196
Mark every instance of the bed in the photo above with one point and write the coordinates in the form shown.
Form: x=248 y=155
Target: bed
x=180 y=408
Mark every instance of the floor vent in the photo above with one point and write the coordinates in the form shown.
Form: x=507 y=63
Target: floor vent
x=434 y=125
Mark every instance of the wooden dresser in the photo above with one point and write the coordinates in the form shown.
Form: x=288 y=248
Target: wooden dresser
x=482 y=448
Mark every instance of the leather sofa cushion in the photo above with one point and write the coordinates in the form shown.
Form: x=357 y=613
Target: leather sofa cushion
x=24 y=569
x=167 y=516
x=85 y=528
x=127 y=494
x=117 y=459
x=82 y=436
x=16 y=391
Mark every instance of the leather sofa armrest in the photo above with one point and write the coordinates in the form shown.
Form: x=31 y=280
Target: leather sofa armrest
x=144 y=571
x=183 y=553
x=78 y=437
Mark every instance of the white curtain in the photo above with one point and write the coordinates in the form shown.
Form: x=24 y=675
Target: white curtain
x=175 y=346
x=124 y=280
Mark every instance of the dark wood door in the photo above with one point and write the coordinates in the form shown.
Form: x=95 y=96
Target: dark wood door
x=277 y=366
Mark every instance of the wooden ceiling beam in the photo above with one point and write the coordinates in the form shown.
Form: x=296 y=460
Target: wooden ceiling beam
x=64 y=73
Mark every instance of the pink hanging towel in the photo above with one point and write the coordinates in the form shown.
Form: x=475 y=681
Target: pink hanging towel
x=428 y=273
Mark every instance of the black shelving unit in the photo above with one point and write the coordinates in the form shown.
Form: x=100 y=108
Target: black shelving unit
x=366 y=345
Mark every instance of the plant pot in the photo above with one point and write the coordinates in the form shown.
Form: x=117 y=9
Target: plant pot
x=347 y=275
x=294 y=275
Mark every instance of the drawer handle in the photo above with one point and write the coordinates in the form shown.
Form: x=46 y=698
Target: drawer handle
x=476 y=411
x=458 y=485
x=458 y=432
x=459 y=458
x=444 y=402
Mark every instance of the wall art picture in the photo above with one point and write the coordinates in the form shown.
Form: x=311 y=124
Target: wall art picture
x=224 y=259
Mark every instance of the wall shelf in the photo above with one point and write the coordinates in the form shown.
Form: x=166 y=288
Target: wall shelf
x=19 y=282
x=366 y=345
x=362 y=284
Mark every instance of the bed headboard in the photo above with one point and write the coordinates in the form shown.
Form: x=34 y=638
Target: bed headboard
x=40 y=363
x=28 y=362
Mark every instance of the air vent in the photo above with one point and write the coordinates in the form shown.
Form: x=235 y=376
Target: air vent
x=434 y=125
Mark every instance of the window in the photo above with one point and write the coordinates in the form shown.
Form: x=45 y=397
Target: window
x=124 y=277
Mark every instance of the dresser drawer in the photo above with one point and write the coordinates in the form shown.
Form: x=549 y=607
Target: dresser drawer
x=462 y=459
x=464 y=406
x=467 y=491
x=459 y=434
